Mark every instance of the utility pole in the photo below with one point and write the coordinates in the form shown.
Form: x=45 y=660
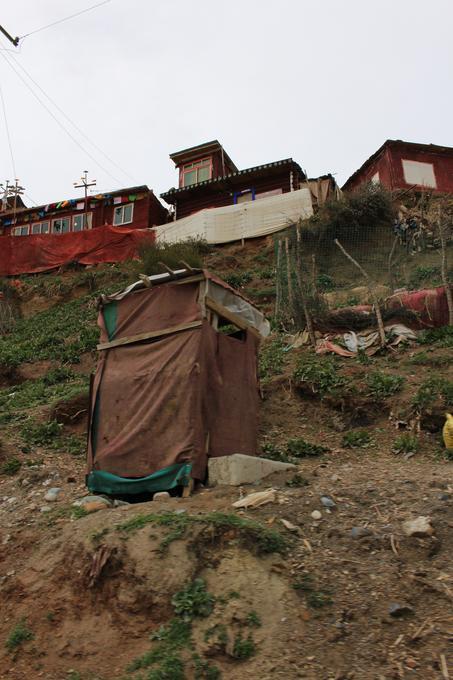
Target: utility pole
x=85 y=185
x=15 y=40
x=11 y=190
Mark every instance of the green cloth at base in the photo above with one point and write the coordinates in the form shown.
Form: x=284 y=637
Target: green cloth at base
x=162 y=480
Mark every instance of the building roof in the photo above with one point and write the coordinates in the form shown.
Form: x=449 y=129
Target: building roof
x=429 y=148
x=194 y=152
x=54 y=205
x=229 y=179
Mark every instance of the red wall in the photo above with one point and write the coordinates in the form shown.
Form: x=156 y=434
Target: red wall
x=390 y=167
x=148 y=212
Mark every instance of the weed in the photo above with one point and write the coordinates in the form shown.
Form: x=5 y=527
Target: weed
x=432 y=390
x=193 y=601
x=357 y=439
x=11 y=467
x=243 y=648
x=250 y=533
x=238 y=279
x=320 y=375
x=50 y=616
x=272 y=358
x=362 y=357
x=265 y=274
x=440 y=337
x=381 y=385
x=297 y=480
x=325 y=283
x=203 y=670
x=253 y=620
x=173 y=255
x=18 y=635
x=424 y=359
x=318 y=599
x=41 y=434
x=423 y=275
x=274 y=452
x=405 y=443
x=299 y=448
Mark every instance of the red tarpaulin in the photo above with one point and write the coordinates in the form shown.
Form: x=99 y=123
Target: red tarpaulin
x=33 y=254
x=430 y=305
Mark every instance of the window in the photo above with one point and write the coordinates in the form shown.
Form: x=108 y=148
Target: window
x=198 y=171
x=243 y=196
x=61 y=226
x=122 y=214
x=40 y=228
x=24 y=230
x=80 y=222
x=418 y=173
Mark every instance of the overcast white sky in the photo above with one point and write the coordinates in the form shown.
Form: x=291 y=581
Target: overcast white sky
x=323 y=82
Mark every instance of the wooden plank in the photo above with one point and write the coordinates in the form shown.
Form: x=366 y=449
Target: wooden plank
x=230 y=316
x=148 y=336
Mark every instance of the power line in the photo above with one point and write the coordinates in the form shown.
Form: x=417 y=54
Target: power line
x=60 y=21
x=7 y=133
x=90 y=141
x=59 y=123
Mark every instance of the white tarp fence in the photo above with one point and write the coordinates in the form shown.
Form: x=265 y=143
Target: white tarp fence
x=246 y=220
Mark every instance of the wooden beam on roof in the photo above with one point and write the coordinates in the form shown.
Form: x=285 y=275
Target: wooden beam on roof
x=150 y=335
x=230 y=316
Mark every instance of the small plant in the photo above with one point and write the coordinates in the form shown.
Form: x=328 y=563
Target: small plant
x=440 y=337
x=238 y=279
x=203 y=670
x=272 y=358
x=274 y=452
x=193 y=601
x=406 y=443
x=299 y=448
x=382 y=385
x=11 y=467
x=41 y=434
x=318 y=599
x=325 y=283
x=423 y=275
x=425 y=359
x=321 y=376
x=243 y=648
x=357 y=439
x=19 y=634
x=433 y=390
x=253 y=620
x=297 y=481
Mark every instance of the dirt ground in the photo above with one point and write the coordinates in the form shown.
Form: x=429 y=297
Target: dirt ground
x=344 y=594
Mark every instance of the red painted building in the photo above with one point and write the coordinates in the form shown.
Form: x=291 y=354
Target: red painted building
x=208 y=178
x=134 y=208
x=404 y=165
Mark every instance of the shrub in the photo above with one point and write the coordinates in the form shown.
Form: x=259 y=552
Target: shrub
x=319 y=374
x=357 y=439
x=11 y=467
x=238 y=279
x=173 y=255
x=406 y=443
x=299 y=448
x=272 y=358
x=19 y=634
x=381 y=385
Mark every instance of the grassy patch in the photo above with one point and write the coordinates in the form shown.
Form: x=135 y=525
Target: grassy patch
x=382 y=385
x=19 y=634
x=434 y=390
x=439 y=337
x=238 y=279
x=50 y=434
x=293 y=450
x=251 y=534
x=430 y=359
x=319 y=375
x=357 y=439
x=406 y=443
x=173 y=255
x=272 y=358
x=425 y=275
x=11 y=467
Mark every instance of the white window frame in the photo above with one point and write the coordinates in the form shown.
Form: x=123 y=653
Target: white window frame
x=122 y=207
x=88 y=221
x=40 y=225
x=417 y=170
x=59 y=219
x=17 y=231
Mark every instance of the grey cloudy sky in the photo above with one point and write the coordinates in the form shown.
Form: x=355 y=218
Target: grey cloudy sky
x=324 y=82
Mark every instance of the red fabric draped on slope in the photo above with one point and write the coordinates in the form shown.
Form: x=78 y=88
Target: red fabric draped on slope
x=33 y=254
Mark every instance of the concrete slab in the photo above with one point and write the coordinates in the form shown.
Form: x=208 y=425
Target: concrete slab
x=240 y=469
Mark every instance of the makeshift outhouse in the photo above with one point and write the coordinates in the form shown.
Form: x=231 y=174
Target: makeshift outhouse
x=176 y=382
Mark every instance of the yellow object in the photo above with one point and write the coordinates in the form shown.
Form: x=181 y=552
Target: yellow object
x=447 y=431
